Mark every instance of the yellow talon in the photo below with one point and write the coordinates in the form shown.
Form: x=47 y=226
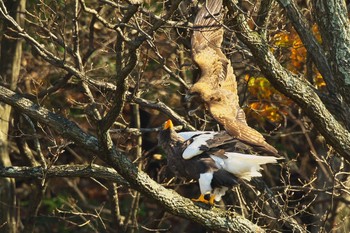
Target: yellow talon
x=201 y=199
x=212 y=199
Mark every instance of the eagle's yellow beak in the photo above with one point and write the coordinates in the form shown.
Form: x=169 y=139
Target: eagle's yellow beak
x=168 y=125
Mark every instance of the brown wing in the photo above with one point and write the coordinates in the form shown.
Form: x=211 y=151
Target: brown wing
x=208 y=32
x=216 y=70
x=217 y=85
x=223 y=142
x=206 y=44
x=222 y=112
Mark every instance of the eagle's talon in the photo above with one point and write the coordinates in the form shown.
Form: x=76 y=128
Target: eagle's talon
x=201 y=199
x=224 y=157
x=212 y=200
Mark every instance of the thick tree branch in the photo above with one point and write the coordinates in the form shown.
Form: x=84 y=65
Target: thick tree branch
x=334 y=26
x=310 y=42
x=296 y=88
x=319 y=58
x=123 y=72
x=216 y=219
x=94 y=171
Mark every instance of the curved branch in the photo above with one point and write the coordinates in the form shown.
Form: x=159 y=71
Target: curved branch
x=158 y=105
x=40 y=48
x=296 y=88
x=165 y=109
x=333 y=21
x=337 y=106
x=215 y=219
x=310 y=42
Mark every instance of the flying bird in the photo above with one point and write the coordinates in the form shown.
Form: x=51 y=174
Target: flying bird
x=215 y=159
x=217 y=85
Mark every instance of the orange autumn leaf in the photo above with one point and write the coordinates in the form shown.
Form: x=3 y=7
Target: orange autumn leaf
x=263 y=91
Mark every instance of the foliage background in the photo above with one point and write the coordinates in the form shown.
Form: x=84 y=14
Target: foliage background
x=130 y=65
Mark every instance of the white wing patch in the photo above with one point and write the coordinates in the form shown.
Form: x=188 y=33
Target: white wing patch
x=244 y=166
x=194 y=148
x=204 y=182
x=219 y=162
x=190 y=134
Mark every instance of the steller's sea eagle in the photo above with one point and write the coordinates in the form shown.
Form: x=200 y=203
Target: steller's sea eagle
x=216 y=159
x=217 y=86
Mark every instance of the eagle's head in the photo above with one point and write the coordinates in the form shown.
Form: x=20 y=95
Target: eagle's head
x=167 y=135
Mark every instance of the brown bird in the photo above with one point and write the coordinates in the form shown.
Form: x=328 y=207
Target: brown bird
x=216 y=159
x=217 y=85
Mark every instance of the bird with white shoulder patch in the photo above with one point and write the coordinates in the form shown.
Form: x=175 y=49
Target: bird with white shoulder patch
x=216 y=159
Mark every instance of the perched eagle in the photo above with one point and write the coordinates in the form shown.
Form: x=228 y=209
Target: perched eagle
x=216 y=159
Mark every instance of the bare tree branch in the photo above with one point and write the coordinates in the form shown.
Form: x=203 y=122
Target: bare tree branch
x=216 y=220
x=333 y=21
x=40 y=48
x=158 y=105
x=88 y=170
x=310 y=42
x=318 y=57
x=296 y=88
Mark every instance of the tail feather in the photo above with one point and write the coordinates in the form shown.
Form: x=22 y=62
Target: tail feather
x=246 y=166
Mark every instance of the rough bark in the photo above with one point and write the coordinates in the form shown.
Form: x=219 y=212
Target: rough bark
x=310 y=42
x=298 y=89
x=215 y=219
x=10 y=60
x=339 y=108
x=88 y=170
x=334 y=26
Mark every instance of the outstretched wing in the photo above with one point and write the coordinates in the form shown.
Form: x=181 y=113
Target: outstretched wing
x=217 y=84
x=206 y=45
x=217 y=78
x=208 y=31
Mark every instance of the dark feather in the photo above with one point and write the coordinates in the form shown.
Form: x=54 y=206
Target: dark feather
x=222 y=141
x=185 y=168
x=223 y=178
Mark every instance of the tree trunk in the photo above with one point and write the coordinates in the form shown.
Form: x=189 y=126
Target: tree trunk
x=10 y=60
x=334 y=26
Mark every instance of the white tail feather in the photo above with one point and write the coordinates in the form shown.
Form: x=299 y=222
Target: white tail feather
x=245 y=166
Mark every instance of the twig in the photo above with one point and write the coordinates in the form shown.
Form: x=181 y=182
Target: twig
x=139 y=131
x=42 y=51
x=117 y=222
x=132 y=216
x=165 y=67
x=217 y=220
x=296 y=88
x=76 y=41
x=101 y=19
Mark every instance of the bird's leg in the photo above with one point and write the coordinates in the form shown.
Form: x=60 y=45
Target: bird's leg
x=212 y=199
x=201 y=199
